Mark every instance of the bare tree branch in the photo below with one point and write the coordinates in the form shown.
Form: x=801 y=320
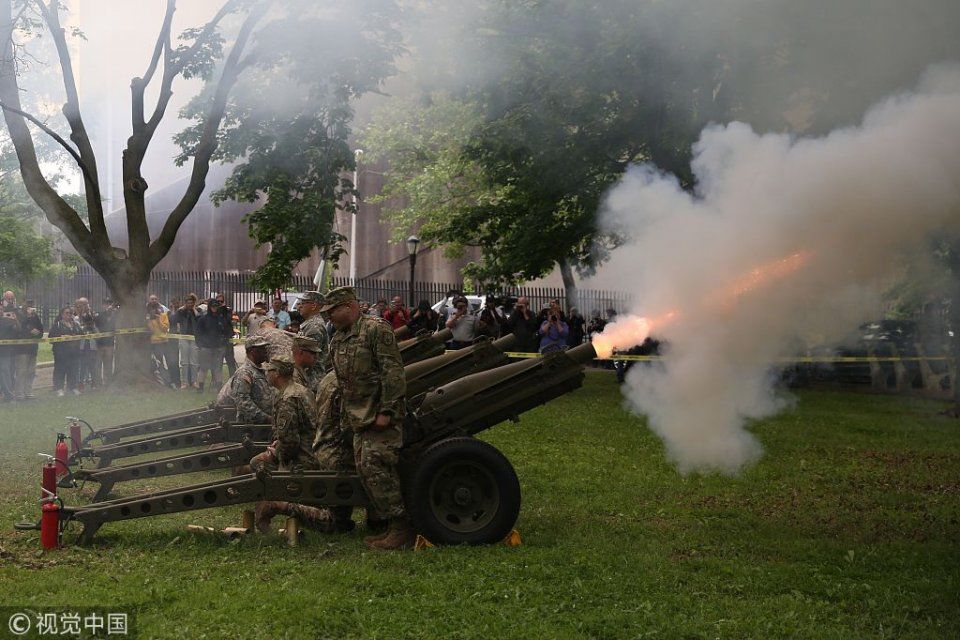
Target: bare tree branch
x=58 y=212
x=208 y=139
x=78 y=131
x=228 y=7
x=53 y=134
x=163 y=41
x=139 y=85
x=134 y=185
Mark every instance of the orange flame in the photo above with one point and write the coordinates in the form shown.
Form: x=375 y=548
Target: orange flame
x=757 y=278
x=631 y=330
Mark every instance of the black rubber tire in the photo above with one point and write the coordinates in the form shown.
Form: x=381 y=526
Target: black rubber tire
x=463 y=491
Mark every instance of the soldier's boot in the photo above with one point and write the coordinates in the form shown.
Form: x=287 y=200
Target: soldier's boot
x=264 y=512
x=400 y=536
x=378 y=528
x=342 y=519
x=319 y=520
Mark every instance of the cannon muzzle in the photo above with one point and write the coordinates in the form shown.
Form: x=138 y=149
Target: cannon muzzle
x=425 y=346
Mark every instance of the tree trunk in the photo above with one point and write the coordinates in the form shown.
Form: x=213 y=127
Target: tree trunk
x=569 y=284
x=133 y=365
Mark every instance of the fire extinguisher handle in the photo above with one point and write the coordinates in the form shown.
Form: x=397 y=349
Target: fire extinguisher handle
x=81 y=421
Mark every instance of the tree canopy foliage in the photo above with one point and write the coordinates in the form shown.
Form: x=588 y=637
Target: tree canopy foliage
x=287 y=122
x=565 y=96
x=279 y=75
x=546 y=102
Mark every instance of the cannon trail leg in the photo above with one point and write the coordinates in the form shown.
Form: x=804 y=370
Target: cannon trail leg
x=312 y=488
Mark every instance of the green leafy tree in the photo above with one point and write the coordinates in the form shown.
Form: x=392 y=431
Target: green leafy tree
x=564 y=98
x=271 y=39
x=288 y=125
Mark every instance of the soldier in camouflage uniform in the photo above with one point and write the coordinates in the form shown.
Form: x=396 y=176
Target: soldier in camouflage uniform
x=247 y=391
x=313 y=325
x=366 y=362
x=294 y=432
x=306 y=357
x=281 y=342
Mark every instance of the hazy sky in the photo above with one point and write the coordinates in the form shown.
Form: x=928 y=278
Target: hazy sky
x=120 y=38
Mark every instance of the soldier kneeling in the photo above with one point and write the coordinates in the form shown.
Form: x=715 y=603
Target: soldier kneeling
x=293 y=431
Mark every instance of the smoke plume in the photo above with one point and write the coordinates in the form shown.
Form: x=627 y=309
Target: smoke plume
x=785 y=243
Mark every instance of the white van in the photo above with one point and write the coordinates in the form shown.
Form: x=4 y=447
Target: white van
x=475 y=302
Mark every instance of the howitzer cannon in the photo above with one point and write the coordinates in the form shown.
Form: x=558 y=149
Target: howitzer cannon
x=412 y=350
x=421 y=377
x=422 y=347
x=457 y=489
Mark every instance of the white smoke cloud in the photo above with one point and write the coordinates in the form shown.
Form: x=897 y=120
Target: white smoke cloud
x=826 y=221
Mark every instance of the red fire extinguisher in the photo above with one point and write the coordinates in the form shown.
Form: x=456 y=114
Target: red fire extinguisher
x=61 y=455
x=50 y=523
x=76 y=435
x=49 y=485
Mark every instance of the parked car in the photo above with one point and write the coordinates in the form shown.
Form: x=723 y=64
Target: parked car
x=447 y=303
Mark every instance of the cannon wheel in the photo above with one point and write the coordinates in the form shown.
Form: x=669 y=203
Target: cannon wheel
x=463 y=491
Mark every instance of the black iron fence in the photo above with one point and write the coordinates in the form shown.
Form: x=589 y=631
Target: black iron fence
x=586 y=300
x=50 y=294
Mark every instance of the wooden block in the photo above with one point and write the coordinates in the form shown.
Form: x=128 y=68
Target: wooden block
x=235 y=532
x=292 y=531
x=197 y=527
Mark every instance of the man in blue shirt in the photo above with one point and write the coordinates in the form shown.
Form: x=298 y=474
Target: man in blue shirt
x=277 y=313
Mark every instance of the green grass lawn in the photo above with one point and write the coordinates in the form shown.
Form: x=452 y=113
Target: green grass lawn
x=44 y=352
x=849 y=527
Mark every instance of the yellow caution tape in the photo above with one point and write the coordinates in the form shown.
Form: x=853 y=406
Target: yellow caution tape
x=796 y=360
x=510 y=354
x=85 y=336
x=105 y=334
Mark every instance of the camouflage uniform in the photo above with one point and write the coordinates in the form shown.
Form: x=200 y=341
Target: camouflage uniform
x=369 y=374
x=281 y=342
x=248 y=391
x=293 y=427
x=316 y=328
x=333 y=446
x=293 y=431
x=308 y=378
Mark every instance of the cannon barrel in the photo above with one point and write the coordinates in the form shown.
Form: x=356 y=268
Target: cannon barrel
x=425 y=346
x=479 y=401
x=439 y=370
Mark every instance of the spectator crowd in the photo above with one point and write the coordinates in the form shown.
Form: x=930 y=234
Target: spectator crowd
x=83 y=364
x=537 y=331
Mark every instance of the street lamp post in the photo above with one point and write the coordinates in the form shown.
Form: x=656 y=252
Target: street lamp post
x=412 y=243
x=358 y=157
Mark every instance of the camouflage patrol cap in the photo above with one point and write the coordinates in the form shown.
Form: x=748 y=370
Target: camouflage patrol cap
x=307 y=344
x=339 y=296
x=281 y=364
x=312 y=296
x=255 y=341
